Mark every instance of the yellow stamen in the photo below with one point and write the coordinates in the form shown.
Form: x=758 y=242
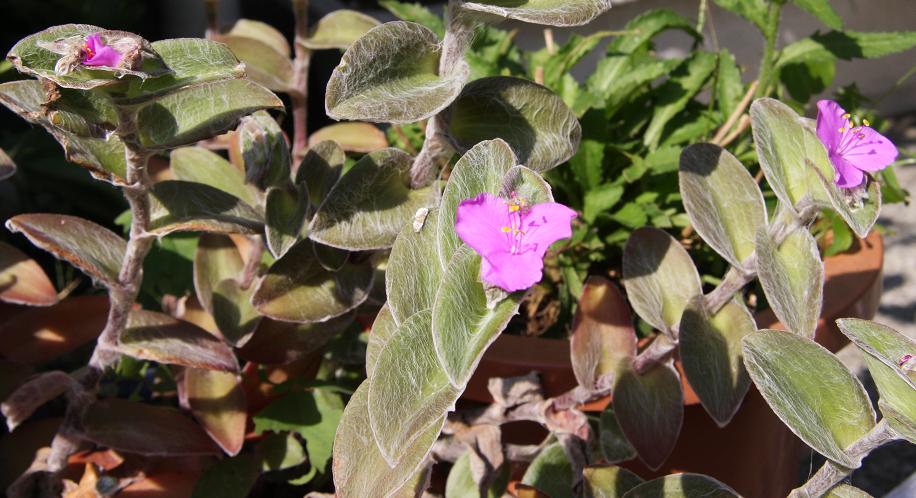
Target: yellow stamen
x=506 y=229
x=842 y=130
x=866 y=122
x=847 y=116
x=513 y=208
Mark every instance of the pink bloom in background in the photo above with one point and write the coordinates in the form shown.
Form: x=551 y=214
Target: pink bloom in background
x=854 y=150
x=96 y=53
x=512 y=237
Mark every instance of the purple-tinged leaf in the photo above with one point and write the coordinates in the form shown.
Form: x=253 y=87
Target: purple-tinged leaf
x=603 y=339
x=650 y=410
x=218 y=402
x=159 y=337
x=22 y=281
x=32 y=394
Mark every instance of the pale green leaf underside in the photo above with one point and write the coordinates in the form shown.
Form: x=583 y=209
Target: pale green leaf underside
x=264 y=32
x=723 y=201
x=263 y=63
x=542 y=131
x=811 y=392
x=391 y=74
x=792 y=276
x=339 y=29
x=408 y=390
x=383 y=329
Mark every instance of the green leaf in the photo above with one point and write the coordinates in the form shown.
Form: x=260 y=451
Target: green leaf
x=754 y=11
x=792 y=276
x=191 y=60
x=600 y=200
x=846 y=491
x=339 y=29
x=284 y=217
x=95 y=250
x=415 y=12
x=808 y=78
x=235 y=316
x=729 y=89
x=413 y=272
x=352 y=137
x=320 y=169
x=786 y=148
x=298 y=289
x=547 y=12
x=264 y=64
x=888 y=355
x=480 y=169
x=383 y=329
x=197 y=164
x=282 y=343
x=723 y=201
x=217 y=259
x=228 y=478
x=314 y=415
x=811 y=392
x=673 y=95
x=682 y=486
x=103 y=157
x=359 y=468
x=161 y=338
x=551 y=472
x=603 y=339
x=614 y=445
x=39 y=55
x=847 y=45
x=391 y=74
x=588 y=163
x=178 y=206
x=370 y=204
x=650 y=411
x=659 y=277
x=463 y=326
x=144 y=429
x=535 y=122
x=609 y=481
x=461 y=484
x=558 y=63
x=264 y=32
x=218 y=402
x=279 y=452
x=22 y=280
x=408 y=390
x=710 y=347
x=200 y=111
x=822 y=10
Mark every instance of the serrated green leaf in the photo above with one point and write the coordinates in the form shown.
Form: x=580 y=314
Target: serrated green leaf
x=359 y=468
x=339 y=29
x=650 y=411
x=463 y=326
x=600 y=200
x=370 y=204
x=547 y=12
x=723 y=201
x=408 y=390
x=673 y=95
x=557 y=64
x=729 y=89
x=95 y=250
x=197 y=164
x=480 y=169
x=413 y=272
x=847 y=45
x=682 y=486
x=609 y=481
x=811 y=392
x=200 y=111
x=888 y=355
x=792 y=276
x=535 y=122
x=391 y=74
x=659 y=276
x=298 y=289
x=178 y=206
x=823 y=11
x=710 y=347
x=754 y=11
x=551 y=472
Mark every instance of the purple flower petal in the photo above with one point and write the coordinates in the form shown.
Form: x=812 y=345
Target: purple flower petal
x=96 y=53
x=479 y=223
x=829 y=122
x=847 y=175
x=512 y=272
x=545 y=223
x=869 y=150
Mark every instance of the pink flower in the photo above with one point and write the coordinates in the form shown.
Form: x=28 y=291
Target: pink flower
x=96 y=53
x=853 y=149
x=512 y=237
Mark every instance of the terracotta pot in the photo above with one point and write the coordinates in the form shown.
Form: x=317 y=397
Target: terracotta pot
x=756 y=453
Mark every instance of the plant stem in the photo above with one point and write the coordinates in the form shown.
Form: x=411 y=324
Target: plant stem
x=435 y=147
x=299 y=98
x=831 y=473
x=770 y=34
x=212 y=10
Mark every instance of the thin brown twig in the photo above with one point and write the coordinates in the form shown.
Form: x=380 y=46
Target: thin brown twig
x=736 y=114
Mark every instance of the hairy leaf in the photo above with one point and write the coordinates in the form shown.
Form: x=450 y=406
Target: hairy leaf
x=413 y=274
x=682 y=485
x=284 y=217
x=217 y=400
x=614 y=445
x=22 y=281
x=32 y=394
x=609 y=482
x=197 y=164
x=603 y=339
x=159 y=337
x=320 y=169
x=235 y=316
x=649 y=409
x=811 y=392
x=462 y=484
x=352 y=137
x=792 y=276
x=383 y=329
x=339 y=29
x=264 y=64
x=179 y=206
x=264 y=32
x=217 y=259
x=191 y=60
x=548 y=12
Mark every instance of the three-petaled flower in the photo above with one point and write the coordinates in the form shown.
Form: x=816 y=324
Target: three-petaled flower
x=511 y=236
x=854 y=148
x=96 y=53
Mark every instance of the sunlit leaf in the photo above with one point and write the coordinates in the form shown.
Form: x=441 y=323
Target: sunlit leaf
x=549 y=12
x=352 y=137
x=682 y=486
x=603 y=339
x=22 y=281
x=263 y=63
x=551 y=472
x=284 y=217
x=179 y=206
x=197 y=164
x=217 y=259
x=217 y=400
x=159 y=337
x=234 y=314
x=413 y=273
x=320 y=169
x=792 y=276
x=339 y=29
x=609 y=482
